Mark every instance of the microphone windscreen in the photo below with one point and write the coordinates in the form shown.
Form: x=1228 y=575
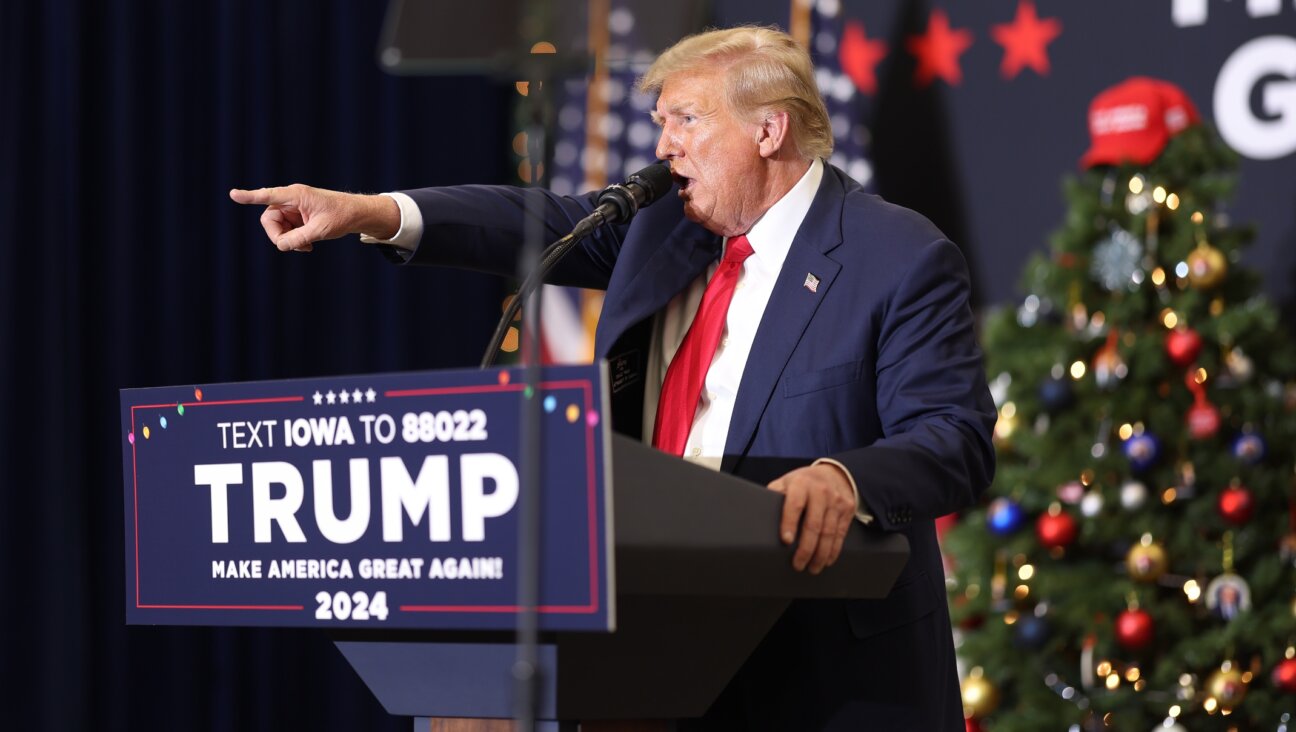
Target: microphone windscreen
x=655 y=180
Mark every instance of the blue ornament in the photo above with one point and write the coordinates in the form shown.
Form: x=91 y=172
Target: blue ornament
x=1142 y=451
x=1031 y=633
x=1005 y=516
x=1249 y=448
x=1056 y=394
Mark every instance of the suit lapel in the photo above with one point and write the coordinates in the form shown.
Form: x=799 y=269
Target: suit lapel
x=791 y=307
x=667 y=265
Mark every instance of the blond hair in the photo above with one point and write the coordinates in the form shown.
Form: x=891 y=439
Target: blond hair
x=765 y=70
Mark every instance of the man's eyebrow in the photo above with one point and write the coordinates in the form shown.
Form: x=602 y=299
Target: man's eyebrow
x=657 y=118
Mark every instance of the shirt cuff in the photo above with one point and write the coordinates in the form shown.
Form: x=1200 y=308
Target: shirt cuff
x=411 y=227
x=862 y=513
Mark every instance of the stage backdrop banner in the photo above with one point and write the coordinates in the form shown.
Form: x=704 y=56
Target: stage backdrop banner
x=388 y=500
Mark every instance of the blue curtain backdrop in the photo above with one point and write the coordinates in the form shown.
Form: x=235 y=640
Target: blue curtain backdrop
x=125 y=264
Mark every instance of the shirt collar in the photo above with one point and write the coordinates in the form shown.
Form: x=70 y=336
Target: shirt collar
x=771 y=236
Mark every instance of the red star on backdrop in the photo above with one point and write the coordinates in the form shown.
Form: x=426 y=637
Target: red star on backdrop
x=1024 y=40
x=938 y=50
x=859 y=56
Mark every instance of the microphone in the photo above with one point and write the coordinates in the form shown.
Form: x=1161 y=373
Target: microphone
x=619 y=202
x=616 y=204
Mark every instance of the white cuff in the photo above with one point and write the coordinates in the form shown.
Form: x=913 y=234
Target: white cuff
x=411 y=227
x=861 y=513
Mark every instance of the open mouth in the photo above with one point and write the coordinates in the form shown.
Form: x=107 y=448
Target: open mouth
x=681 y=181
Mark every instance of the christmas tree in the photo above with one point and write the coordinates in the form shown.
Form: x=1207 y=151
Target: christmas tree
x=1132 y=566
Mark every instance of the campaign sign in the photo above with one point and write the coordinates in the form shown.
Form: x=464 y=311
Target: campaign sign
x=388 y=500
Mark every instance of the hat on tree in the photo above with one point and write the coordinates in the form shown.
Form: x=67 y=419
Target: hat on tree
x=1133 y=121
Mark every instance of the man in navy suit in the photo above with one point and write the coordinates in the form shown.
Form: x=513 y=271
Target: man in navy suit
x=843 y=337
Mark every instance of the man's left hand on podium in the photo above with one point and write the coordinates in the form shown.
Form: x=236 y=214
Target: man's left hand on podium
x=819 y=499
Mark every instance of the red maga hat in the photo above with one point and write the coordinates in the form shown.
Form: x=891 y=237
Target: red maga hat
x=1133 y=121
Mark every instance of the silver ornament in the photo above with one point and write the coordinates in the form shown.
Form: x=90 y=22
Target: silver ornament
x=1133 y=495
x=1091 y=505
x=1116 y=259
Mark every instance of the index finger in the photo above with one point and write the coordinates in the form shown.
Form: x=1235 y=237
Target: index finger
x=261 y=196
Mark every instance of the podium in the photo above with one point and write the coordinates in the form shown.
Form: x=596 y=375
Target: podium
x=382 y=508
x=701 y=577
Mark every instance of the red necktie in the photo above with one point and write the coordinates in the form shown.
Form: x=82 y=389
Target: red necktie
x=687 y=371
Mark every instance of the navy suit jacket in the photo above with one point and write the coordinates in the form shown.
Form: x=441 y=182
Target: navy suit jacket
x=877 y=367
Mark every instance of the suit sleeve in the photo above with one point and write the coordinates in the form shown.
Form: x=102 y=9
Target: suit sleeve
x=936 y=454
x=483 y=227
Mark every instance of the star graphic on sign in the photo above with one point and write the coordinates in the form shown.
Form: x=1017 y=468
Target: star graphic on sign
x=938 y=50
x=859 y=56
x=330 y=397
x=318 y=397
x=1024 y=40
x=355 y=396
x=369 y=395
x=345 y=396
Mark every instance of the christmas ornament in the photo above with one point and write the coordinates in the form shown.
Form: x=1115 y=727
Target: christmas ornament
x=1239 y=365
x=999 y=388
x=1004 y=516
x=1030 y=632
x=1115 y=260
x=1225 y=689
x=1236 y=504
x=1137 y=203
x=1203 y=418
x=980 y=697
x=1249 y=448
x=1108 y=367
x=1133 y=495
x=1284 y=674
x=1056 y=529
x=1146 y=560
x=1134 y=629
x=1034 y=309
x=1228 y=595
x=1091 y=505
x=1056 y=394
x=1071 y=492
x=1142 y=451
x=971 y=725
x=1206 y=266
x=1183 y=345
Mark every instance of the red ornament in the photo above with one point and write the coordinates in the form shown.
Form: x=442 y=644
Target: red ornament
x=1183 y=345
x=1284 y=675
x=1236 y=504
x=1056 y=529
x=1203 y=420
x=1134 y=629
x=972 y=725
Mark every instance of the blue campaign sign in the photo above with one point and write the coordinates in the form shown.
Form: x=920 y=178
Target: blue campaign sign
x=387 y=500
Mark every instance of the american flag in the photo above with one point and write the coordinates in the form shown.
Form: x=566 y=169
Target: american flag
x=846 y=104
x=604 y=133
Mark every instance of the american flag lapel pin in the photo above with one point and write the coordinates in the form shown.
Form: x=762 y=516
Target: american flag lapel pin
x=811 y=282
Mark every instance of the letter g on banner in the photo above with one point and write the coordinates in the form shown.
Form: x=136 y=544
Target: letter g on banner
x=1255 y=98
